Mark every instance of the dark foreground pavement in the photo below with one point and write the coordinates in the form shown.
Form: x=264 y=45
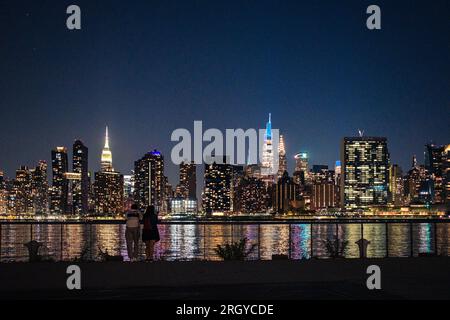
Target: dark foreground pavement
x=401 y=278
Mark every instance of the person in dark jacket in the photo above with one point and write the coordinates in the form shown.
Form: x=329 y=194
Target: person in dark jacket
x=150 y=233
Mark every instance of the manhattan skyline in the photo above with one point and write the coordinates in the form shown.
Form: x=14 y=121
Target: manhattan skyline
x=147 y=69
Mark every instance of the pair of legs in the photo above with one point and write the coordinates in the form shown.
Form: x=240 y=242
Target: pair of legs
x=149 y=249
x=132 y=237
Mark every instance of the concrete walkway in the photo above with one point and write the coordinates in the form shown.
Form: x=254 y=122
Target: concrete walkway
x=401 y=278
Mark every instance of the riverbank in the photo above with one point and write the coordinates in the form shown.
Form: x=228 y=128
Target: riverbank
x=244 y=220
x=401 y=278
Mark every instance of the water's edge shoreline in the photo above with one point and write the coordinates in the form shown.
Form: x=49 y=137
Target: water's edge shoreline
x=243 y=221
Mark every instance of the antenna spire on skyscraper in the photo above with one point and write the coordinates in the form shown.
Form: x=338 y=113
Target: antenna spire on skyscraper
x=106 y=138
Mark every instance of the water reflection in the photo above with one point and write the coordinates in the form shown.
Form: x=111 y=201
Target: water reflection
x=198 y=241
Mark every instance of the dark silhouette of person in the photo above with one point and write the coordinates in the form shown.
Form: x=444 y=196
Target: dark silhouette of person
x=150 y=233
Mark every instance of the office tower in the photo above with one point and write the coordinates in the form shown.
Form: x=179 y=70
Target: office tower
x=337 y=172
x=108 y=185
x=187 y=187
x=23 y=191
x=80 y=191
x=167 y=192
x=301 y=173
x=108 y=189
x=250 y=196
x=396 y=188
x=337 y=180
x=365 y=172
x=128 y=186
x=418 y=184
x=149 y=180
x=267 y=155
x=320 y=173
x=106 y=159
x=323 y=187
x=282 y=163
x=323 y=195
x=434 y=163
x=3 y=194
x=39 y=181
x=217 y=187
x=286 y=194
x=237 y=173
x=73 y=191
x=446 y=173
x=59 y=191
x=91 y=197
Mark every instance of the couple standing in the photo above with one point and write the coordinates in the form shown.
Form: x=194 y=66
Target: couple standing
x=150 y=233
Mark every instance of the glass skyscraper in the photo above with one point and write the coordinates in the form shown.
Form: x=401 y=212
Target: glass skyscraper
x=365 y=172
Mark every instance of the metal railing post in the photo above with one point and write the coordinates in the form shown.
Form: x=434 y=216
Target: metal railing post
x=411 y=242
x=290 y=241
x=204 y=241
x=435 y=239
x=337 y=232
x=90 y=240
x=259 y=241
x=386 y=232
x=311 y=239
x=61 y=242
x=1 y=227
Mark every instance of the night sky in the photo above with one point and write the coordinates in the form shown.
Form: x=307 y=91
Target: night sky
x=145 y=68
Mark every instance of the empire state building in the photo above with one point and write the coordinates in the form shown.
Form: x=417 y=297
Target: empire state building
x=108 y=185
x=106 y=160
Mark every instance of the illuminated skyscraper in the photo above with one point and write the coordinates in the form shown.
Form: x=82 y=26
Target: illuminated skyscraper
x=446 y=174
x=3 y=194
x=108 y=185
x=250 y=196
x=365 y=172
x=434 y=163
x=106 y=160
x=80 y=190
x=128 y=186
x=217 y=187
x=396 y=186
x=149 y=181
x=23 y=190
x=282 y=163
x=418 y=184
x=108 y=189
x=267 y=157
x=323 y=195
x=323 y=187
x=59 y=192
x=39 y=185
x=301 y=173
x=187 y=188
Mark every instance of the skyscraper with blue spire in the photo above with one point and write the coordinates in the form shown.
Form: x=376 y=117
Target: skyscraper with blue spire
x=267 y=159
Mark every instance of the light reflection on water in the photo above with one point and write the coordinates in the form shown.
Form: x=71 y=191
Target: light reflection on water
x=198 y=241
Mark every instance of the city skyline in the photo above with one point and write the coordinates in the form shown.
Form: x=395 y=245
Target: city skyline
x=364 y=178
x=97 y=162
x=137 y=69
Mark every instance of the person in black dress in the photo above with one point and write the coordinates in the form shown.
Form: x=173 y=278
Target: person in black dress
x=150 y=233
